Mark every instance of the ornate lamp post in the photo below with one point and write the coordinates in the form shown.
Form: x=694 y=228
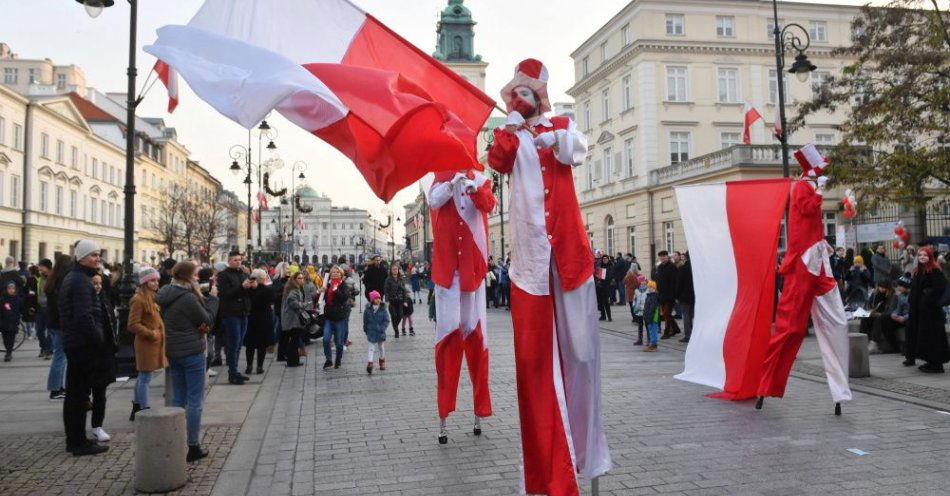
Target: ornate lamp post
x=801 y=68
x=498 y=187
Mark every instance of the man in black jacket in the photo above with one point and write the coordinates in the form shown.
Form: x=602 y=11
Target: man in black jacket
x=374 y=278
x=665 y=277
x=81 y=324
x=234 y=295
x=685 y=296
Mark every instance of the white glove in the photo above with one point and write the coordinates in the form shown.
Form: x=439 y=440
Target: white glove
x=468 y=186
x=546 y=140
x=459 y=177
x=515 y=119
x=820 y=185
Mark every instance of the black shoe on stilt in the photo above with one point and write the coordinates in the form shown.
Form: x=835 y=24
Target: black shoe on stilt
x=838 y=409
x=759 y=402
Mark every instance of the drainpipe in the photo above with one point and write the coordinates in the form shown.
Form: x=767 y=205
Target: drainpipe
x=27 y=179
x=652 y=231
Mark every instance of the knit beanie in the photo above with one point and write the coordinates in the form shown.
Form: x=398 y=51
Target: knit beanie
x=85 y=248
x=147 y=274
x=220 y=267
x=373 y=295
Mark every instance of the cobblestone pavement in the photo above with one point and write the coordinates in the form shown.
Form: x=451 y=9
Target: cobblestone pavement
x=340 y=432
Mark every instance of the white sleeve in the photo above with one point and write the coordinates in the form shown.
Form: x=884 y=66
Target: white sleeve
x=572 y=145
x=439 y=194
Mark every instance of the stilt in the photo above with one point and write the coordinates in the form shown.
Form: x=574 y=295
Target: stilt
x=838 y=409
x=759 y=402
x=443 y=434
x=595 y=486
x=478 y=426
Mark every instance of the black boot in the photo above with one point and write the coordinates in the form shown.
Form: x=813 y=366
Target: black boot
x=195 y=453
x=336 y=364
x=135 y=408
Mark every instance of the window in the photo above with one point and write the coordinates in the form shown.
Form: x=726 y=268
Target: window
x=773 y=87
x=674 y=24
x=590 y=174
x=679 y=147
x=628 y=157
x=818 y=78
x=605 y=104
x=17 y=137
x=61 y=81
x=73 y=201
x=10 y=75
x=587 y=114
x=44 y=196
x=728 y=85
x=95 y=168
x=771 y=28
x=142 y=217
x=102 y=211
x=60 y=152
x=74 y=158
x=14 y=190
x=831 y=223
x=610 y=234
x=632 y=238
x=112 y=179
x=31 y=76
x=625 y=34
x=726 y=26
x=670 y=242
x=586 y=65
x=603 y=53
x=58 y=201
x=608 y=165
x=676 y=84
x=2 y=180
x=3 y=131
x=824 y=139
x=729 y=139
x=44 y=145
x=818 y=30
x=627 y=93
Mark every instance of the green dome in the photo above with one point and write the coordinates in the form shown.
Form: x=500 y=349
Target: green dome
x=307 y=192
x=455 y=12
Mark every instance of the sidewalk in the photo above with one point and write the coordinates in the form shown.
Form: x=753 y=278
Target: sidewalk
x=889 y=378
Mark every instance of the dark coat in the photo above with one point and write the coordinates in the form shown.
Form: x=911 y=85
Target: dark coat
x=235 y=299
x=52 y=302
x=374 y=278
x=10 y=312
x=104 y=365
x=650 y=309
x=340 y=307
x=13 y=275
x=375 y=323
x=260 y=322
x=684 y=284
x=30 y=300
x=183 y=314
x=80 y=314
x=926 y=322
x=395 y=291
x=666 y=282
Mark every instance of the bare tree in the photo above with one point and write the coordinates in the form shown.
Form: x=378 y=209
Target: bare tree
x=168 y=224
x=211 y=229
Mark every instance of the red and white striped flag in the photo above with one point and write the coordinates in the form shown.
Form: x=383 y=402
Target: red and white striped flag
x=751 y=116
x=169 y=78
x=777 y=126
x=732 y=231
x=262 y=200
x=337 y=72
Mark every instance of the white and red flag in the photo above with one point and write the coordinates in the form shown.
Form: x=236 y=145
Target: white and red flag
x=732 y=231
x=169 y=78
x=261 y=200
x=300 y=223
x=751 y=116
x=336 y=71
x=777 y=125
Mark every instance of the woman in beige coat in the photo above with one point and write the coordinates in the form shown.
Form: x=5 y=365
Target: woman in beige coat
x=145 y=322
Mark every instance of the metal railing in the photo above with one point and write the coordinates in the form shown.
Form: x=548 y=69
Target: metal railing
x=762 y=156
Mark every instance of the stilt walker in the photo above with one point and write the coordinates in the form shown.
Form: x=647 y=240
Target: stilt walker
x=808 y=288
x=460 y=204
x=553 y=304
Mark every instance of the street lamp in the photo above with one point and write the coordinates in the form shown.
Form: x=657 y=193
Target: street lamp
x=301 y=166
x=124 y=355
x=801 y=68
x=498 y=187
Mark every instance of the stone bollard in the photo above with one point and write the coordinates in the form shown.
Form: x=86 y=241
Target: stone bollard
x=160 y=450
x=859 y=365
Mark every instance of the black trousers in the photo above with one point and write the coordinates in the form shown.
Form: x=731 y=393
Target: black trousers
x=98 y=406
x=289 y=340
x=249 y=352
x=395 y=315
x=9 y=339
x=78 y=389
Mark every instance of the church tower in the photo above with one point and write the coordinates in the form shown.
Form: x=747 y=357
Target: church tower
x=455 y=46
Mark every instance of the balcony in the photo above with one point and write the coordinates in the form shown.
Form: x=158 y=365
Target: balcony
x=744 y=156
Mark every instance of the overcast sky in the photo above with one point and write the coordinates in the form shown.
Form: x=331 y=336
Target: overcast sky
x=507 y=31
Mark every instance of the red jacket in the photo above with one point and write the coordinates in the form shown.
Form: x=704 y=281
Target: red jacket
x=564 y=228
x=455 y=245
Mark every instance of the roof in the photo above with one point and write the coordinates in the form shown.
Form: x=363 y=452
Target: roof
x=89 y=110
x=307 y=192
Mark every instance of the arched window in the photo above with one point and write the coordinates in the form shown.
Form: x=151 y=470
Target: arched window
x=610 y=237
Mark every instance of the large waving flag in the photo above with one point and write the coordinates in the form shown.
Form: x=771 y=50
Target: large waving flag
x=732 y=231
x=337 y=72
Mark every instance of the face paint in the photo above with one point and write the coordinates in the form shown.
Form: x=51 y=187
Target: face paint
x=523 y=101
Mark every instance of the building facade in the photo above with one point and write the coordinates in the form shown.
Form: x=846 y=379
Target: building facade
x=660 y=92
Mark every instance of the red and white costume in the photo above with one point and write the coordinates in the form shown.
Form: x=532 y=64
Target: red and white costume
x=553 y=304
x=808 y=288
x=460 y=204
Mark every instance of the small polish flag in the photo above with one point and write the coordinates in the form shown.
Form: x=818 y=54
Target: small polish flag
x=778 y=123
x=732 y=230
x=168 y=77
x=300 y=223
x=751 y=116
x=262 y=200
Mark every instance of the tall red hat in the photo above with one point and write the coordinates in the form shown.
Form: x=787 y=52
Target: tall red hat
x=812 y=162
x=530 y=73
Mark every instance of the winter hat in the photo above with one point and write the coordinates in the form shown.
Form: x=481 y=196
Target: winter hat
x=810 y=159
x=84 y=248
x=530 y=73
x=904 y=281
x=651 y=284
x=220 y=267
x=148 y=274
x=641 y=279
x=373 y=295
